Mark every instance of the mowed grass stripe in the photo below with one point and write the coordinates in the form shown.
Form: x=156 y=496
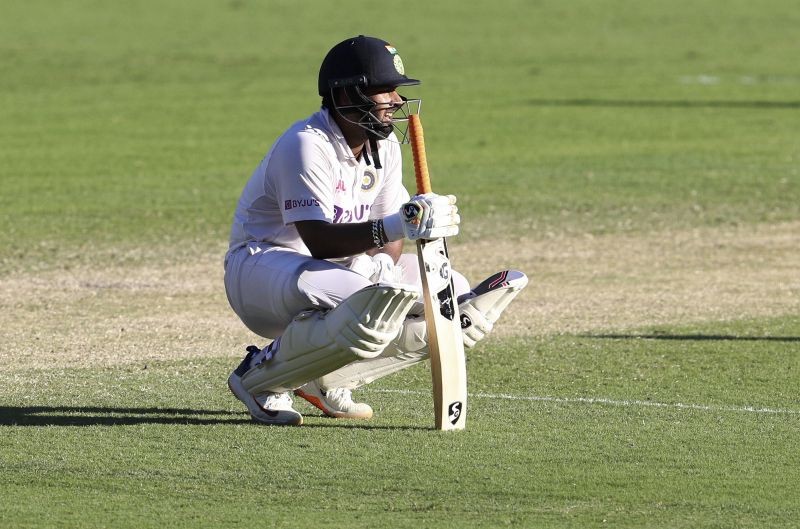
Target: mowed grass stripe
x=606 y=401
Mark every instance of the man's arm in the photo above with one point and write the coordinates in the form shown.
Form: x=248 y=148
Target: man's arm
x=326 y=240
x=426 y=217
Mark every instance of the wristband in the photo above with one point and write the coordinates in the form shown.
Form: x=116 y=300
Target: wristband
x=378 y=233
x=393 y=227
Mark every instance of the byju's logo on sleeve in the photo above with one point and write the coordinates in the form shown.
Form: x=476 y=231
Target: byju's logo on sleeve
x=302 y=203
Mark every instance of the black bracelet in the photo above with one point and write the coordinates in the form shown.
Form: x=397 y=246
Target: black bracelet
x=384 y=237
x=378 y=235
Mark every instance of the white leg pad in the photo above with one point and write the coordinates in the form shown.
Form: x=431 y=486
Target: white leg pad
x=409 y=348
x=480 y=309
x=316 y=342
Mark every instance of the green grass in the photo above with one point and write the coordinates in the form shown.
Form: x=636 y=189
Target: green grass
x=136 y=125
x=166 y=446
x=128 y=129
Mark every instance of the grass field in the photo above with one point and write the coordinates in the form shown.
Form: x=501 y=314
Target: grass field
x=639 y=160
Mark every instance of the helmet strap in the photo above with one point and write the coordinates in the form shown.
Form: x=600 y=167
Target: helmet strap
x=373 y=147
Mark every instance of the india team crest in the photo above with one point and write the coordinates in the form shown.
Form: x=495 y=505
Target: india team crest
x=398 y=65
x=398 y=62
x=369 y=179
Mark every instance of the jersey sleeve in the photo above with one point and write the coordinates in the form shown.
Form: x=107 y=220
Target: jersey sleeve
x=302 y=174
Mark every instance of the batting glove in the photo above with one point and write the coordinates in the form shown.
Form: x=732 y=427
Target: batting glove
x=379 y=268
x=429 y=216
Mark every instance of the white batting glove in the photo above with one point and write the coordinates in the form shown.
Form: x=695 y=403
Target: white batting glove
x=379 y=268
x=478 y=325
x=429 y=216
x=363 y=265
x=385 y=270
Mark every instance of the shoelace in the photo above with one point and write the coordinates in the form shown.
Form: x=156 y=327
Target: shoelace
x=339 y=396
x=278 y=399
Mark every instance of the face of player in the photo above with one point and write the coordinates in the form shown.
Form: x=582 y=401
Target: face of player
x=386 y=100
x=371 y=115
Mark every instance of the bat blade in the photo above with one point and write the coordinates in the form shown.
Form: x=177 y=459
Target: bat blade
x=445 y=343
x=443 y=322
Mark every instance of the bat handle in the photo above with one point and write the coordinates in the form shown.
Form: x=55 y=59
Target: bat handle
x=418 y=151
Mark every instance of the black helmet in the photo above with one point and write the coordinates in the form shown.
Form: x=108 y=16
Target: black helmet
x=359 y=63
x=362 y=61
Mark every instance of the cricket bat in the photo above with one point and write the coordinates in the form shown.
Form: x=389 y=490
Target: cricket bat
x=448 y=364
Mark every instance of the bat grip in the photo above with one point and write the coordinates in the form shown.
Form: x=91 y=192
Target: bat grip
x=418 y=151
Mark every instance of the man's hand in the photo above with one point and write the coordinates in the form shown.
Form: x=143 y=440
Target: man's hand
x=429 y=216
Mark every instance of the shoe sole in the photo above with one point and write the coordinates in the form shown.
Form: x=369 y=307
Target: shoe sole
x=513 y=279
x=494 y=294
x=279 y=417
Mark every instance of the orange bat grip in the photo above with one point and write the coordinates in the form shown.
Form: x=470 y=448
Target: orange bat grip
x=418 y=151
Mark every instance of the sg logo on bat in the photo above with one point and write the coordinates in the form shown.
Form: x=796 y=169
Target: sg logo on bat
x=454 y=411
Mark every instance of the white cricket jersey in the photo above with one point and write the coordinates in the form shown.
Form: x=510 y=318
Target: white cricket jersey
x=310 y=173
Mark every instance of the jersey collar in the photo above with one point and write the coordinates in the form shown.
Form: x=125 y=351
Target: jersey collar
x=343 y=150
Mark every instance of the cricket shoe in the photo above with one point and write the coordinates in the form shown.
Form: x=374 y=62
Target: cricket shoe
x=270 y=408
x=337 y=403
x=482 y=306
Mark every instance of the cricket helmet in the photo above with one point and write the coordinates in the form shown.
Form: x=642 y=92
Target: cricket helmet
x=358 y=63
x=362 y=61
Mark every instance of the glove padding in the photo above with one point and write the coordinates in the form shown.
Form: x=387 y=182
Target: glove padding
x=379 y=268
x=429 y=216
x=474 y=325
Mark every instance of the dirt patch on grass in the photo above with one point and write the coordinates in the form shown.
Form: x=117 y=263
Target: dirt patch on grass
x=134 y=315
x=622 y=282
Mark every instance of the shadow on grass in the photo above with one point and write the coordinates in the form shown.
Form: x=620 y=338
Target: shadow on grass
x=92 y=416
x=360 y=425
x=679 y=103
x=693 y=337
x=110 y=416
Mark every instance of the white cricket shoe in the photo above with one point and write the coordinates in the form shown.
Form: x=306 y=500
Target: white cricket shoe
x=337 y=403
x=270 y=408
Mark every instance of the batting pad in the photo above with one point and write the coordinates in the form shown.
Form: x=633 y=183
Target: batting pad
x=317 y=342
x=408 y=348
x=480 y=310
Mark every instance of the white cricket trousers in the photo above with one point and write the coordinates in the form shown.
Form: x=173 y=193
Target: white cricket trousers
x=267 y=286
